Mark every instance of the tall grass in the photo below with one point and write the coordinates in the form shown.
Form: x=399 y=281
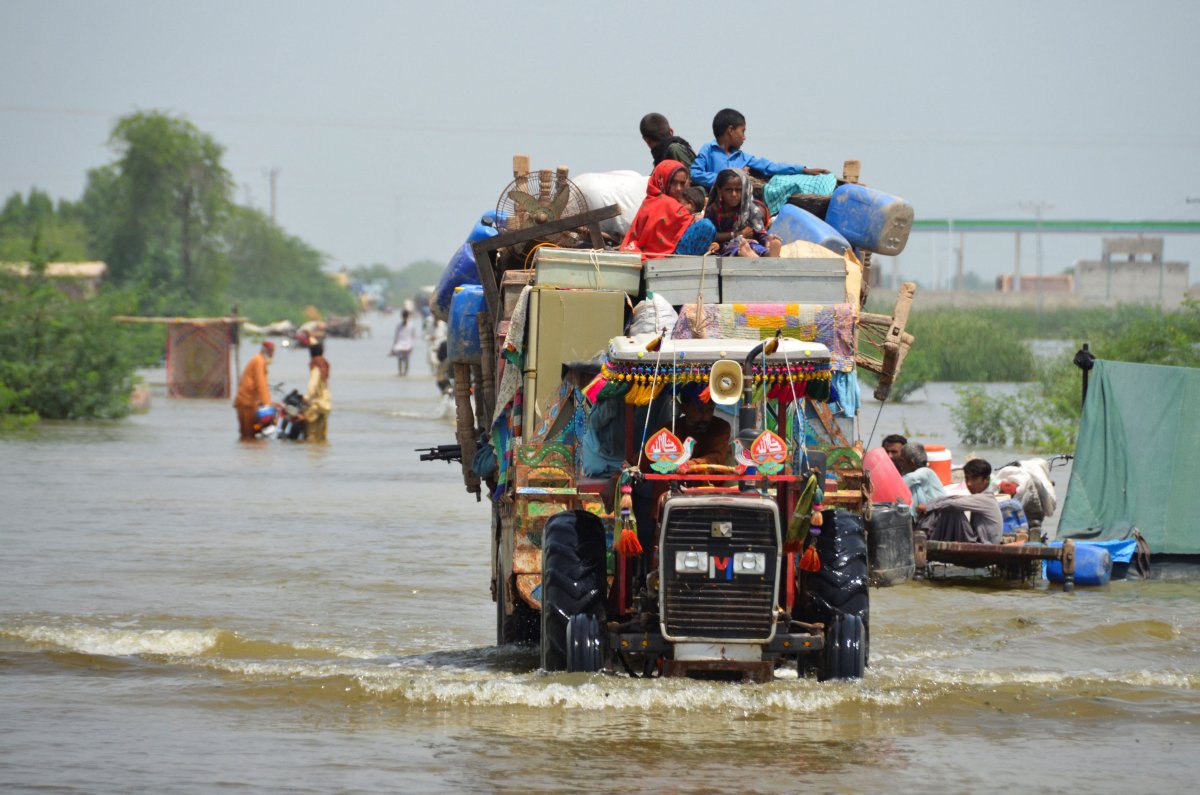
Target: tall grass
x=1045 y=417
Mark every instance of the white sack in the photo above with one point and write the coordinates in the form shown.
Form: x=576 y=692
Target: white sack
x=626 y=189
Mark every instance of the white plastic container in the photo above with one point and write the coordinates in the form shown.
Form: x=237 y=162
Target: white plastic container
x=588 y=269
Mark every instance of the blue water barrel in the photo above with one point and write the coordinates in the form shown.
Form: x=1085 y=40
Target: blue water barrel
x=1014 y=517
x=484 y=228
x=461 y=268
x=462 y=333
x=459 y=271
x=870 y=219
x=793 y=223
x=1093 y=565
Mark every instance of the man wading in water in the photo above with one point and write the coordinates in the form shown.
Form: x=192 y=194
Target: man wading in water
x=316 y=397
x=253 y=391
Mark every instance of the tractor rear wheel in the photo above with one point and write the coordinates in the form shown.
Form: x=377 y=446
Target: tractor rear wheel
x=574 y=588
x=841 y=587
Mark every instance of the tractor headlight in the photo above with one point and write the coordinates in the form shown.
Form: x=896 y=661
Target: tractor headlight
x=750 y=563
x=691 y=562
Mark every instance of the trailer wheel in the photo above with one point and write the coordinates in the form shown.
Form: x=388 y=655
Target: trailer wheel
x=585 y=645
x=844 y=656
x=841 y=587
x=574 y=583
x=520 y=627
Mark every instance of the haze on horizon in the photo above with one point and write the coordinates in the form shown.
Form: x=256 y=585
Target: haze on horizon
x=392 y=125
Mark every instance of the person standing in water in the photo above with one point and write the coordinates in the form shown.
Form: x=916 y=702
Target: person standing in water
x=403 y=342
x=316 y=397
x=253 y=390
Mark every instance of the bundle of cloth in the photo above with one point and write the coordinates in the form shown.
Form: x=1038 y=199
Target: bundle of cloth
x=1029 y=483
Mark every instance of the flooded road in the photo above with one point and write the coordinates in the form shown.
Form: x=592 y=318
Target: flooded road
x=182 y=613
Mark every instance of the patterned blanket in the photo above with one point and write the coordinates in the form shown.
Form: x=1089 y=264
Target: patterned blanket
x=832 y=325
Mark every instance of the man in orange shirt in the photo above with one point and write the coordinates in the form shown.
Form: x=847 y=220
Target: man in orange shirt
x=253 y=391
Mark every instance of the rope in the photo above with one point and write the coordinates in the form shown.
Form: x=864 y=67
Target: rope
x=796 y=407
x=650 y=405
x=698 y=313
x=674 y=386
x=876 y=425
x=532 y=251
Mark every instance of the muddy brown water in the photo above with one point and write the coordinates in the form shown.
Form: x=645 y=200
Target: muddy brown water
x=182 y=613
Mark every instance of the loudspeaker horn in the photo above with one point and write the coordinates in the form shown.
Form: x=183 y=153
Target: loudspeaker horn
x=725 y=382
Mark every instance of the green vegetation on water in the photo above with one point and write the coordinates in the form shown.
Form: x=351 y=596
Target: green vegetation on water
x=993 y=345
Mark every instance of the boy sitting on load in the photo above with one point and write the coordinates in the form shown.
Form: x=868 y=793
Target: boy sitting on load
x=729 y=132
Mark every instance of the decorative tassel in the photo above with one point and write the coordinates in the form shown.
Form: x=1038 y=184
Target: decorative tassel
x=627 y=543
x=810 y=561
x=592 y=390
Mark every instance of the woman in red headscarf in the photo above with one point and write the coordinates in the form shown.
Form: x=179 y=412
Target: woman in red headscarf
x=663 y=225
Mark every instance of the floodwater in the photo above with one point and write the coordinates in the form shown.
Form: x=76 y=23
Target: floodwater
x=182 y=613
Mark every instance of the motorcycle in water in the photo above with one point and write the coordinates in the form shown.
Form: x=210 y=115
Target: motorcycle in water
x=284 y=419
x=291 y=423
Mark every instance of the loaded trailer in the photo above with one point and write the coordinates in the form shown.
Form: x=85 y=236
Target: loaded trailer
x=612 y=548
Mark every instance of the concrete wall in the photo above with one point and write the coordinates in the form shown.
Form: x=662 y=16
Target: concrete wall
x=1165 y=284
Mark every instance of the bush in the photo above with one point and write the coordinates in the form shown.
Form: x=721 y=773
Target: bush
x=999 y=420
x=956 y=345
x=63 y=358
x=1045 y=418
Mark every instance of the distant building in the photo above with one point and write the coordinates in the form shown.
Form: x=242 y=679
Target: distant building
x=76 y=279
x=1060 y=283
x=1131 y=270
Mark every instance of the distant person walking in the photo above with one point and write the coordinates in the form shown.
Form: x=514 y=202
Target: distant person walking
x=403 y=342
x=253 y=391
x=316 y=396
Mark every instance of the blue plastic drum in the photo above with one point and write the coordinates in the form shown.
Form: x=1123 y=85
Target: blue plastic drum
x=793 y=223
x=1093 y=565
x=461 y=268
x=462 y=335
x=870 y=219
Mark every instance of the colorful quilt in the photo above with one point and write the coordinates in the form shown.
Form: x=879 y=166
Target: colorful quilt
x=198 y=360
x=832 y=325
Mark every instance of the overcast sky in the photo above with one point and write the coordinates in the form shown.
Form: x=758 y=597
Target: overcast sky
x=393 y=125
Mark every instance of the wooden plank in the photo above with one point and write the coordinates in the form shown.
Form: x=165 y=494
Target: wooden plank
x=519 y=236
x=831 y=427
x=851 y=169
x=487 y=278
x=981 y=555
x=893 y=347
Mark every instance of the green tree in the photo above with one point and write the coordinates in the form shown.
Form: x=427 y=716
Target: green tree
x=160 y=208
x=33 y=230
x=276 y=274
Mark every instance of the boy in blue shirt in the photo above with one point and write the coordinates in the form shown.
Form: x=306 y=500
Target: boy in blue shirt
x=729 y=131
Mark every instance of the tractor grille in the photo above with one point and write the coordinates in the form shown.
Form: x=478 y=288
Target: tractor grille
x=718 y=603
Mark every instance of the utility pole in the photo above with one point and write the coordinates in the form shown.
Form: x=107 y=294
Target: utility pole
x=1037 y=208
x=272 y=173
